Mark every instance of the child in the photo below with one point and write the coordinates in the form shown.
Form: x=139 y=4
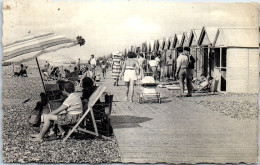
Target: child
x=68 y=113
x=37 y=111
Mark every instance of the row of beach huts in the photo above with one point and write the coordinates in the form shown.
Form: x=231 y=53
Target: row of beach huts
x=230 y=55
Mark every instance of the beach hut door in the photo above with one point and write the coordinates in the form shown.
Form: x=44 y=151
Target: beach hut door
x=220 y=68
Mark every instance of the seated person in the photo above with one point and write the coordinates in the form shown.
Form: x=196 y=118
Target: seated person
x=23 y=71
x=88 y=87
x=68 y=113
x=202 y=82
x=74 y=76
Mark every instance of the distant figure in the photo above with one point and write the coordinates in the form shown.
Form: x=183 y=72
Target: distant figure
x=23 y=71
x=153 y=66
x=47 y=66
x=141 y=66
x=78 y=64
x=130 y=72
x=93 y=63
x=104 y=69
x=169 y=64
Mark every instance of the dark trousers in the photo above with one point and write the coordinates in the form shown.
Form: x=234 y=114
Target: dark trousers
x=185 y=74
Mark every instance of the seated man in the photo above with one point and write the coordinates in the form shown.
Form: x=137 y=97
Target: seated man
x=68 y=113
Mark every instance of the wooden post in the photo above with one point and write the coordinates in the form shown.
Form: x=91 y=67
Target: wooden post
x=209 y=72
x=40 y=74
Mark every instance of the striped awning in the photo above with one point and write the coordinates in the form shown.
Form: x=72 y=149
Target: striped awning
x=35 y=45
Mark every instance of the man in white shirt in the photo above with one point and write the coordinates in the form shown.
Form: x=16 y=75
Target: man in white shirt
x=93 y=63
x=183 y=71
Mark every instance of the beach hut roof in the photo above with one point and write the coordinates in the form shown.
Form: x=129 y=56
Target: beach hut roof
x=194 y=36
x=171 y=42
x=160 y=41
x=165 y=43
x=207 y=36
x=237 y=37
x=156 y=45
x=177 y=40
x=185 y=39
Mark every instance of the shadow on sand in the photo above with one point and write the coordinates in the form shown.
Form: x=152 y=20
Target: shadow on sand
x=126 y=121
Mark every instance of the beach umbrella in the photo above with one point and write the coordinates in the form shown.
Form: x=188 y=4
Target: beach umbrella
x=32 y=46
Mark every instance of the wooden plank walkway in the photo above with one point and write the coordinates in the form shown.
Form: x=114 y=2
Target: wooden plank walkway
x=177 y=131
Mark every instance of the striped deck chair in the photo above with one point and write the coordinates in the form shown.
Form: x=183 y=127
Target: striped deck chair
x=92 y=101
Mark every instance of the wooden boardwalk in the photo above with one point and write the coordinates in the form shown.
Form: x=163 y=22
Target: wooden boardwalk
x=177 y=131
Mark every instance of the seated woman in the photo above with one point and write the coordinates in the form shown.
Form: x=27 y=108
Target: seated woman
x=68 y=113
x=88 y=87
x=23 y=72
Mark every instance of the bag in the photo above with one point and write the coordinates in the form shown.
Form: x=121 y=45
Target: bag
x=35 y=120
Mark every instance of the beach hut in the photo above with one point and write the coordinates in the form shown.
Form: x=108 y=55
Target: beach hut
x=205 y=41
x=176 y=42
x=236 y=56
x=185 y=39
x=156 y=46
x=192 y=42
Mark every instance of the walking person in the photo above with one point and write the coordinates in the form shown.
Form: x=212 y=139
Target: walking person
x=116 y=67
x=130 y=72
x=141 y=66
x=104 y=69
x=78 y=64
x=183 y=72
x=93 y=64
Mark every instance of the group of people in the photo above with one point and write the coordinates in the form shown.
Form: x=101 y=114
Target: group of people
x=70 y=111
x=133 y=68
x=22 y=72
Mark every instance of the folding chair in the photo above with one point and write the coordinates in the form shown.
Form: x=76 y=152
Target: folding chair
x=102 y=112
x=92 y=100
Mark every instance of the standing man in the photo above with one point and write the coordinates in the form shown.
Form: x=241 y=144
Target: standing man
x=183 y=72
x=169 y=64
x=78 y=64
x=93 y=63
x=46 y=66
x=191 y=62
x=158 y=68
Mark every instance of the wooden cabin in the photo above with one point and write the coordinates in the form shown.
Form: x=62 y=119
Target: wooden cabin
x=195 y=51
x=205 y=41
x=236 y=56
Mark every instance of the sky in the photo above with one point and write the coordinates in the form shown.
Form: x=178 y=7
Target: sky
x=113 y=26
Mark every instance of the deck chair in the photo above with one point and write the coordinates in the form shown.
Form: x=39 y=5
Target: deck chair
x=102 y=112
x=54 y=95
x=92 y=100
